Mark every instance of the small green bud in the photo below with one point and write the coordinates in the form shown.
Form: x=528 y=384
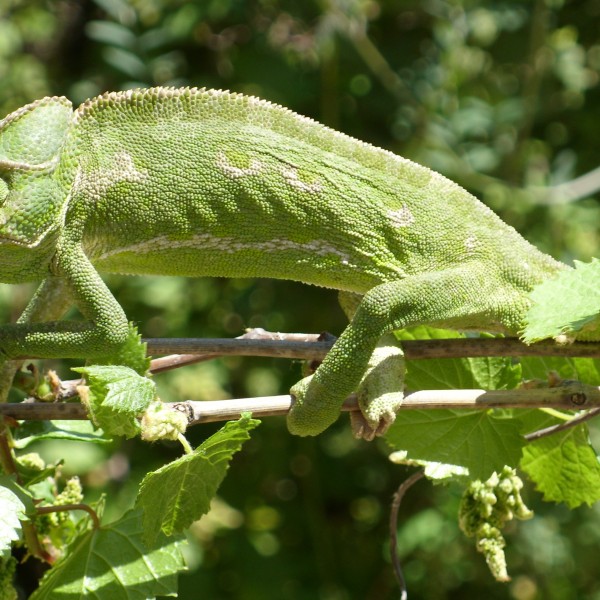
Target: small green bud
x=162 y=423
x=485 y=508
x=32 y=461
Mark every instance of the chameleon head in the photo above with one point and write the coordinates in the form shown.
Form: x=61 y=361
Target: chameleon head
x=32 y=193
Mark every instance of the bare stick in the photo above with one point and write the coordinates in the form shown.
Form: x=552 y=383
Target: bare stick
x=255 y=342
x=45 y=510
x=577 y=420
x=570 y=396
x=305 y=346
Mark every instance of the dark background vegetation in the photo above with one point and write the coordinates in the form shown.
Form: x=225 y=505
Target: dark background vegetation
x=502 y=97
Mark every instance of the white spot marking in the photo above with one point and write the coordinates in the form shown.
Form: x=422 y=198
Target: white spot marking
x=291 y=177
x=471 y=244
x=206 y=241
x=235 y=172
x=98 y=181
x=401 y=217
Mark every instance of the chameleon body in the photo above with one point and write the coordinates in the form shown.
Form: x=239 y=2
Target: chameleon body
x=198 y=182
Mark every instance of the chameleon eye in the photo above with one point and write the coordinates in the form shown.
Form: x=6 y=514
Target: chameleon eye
x=3 y=190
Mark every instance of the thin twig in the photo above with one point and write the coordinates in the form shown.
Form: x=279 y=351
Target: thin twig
x=394 y=510
x=569 y=395
x=302 y=346
x=577 y=420
x=306 y=346
x=44 y=510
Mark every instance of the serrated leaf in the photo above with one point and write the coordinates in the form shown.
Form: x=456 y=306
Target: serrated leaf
x=490 y=373
x=115 y=396
x=76 y=431
x=476 y=440
x=131 y=354
x=180 y=493
x=12 y=511
x=538 y=367
x=113 y=562
x=480 y=441
x=564 y=467
x=550 y=316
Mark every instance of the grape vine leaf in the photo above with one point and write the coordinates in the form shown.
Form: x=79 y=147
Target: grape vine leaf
x=480 y=441
x=179 y=493
x=132 y=353
x=564 y=467
x=77 y=431
x=549 y=316
x=115 y=396
x=491 y=373
x=114 y=562
x=14 y=505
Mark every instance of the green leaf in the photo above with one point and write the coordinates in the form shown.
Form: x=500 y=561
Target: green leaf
x=180 y=492
x=114 y=562
x=115 y=396
x=131 y=354
x=480 y=441
x=477 y=440
x=550 y=316
x=538 y=367
x=564 y=467
x=8 y=566
x=456 y=373
x=14 y=504
x=76 y=431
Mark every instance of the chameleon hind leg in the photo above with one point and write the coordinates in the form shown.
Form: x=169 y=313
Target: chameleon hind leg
x=359 y=360
x=380 y=392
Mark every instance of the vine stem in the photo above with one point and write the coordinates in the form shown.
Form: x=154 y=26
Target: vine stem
x=557 y=414
x=569 y=395
x=186 y=445
x=577 y=420
x=394 y=510
x=44 y=510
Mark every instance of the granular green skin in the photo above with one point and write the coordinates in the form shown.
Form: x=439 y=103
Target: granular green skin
x=208 y=183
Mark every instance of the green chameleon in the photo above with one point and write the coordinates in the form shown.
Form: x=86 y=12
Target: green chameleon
x=199 y=182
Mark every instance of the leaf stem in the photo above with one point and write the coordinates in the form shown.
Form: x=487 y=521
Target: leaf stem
x=44 y=510
x=186 y=445
x=580 y=418
x=557 y=414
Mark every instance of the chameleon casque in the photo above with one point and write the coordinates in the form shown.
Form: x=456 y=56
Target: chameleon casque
x=197 y=182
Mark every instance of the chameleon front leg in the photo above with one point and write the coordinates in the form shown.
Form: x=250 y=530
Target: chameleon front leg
x=104 y=328
x=426 y=298
x=50 y=301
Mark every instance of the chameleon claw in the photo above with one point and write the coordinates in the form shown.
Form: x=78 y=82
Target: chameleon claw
x=363 y=429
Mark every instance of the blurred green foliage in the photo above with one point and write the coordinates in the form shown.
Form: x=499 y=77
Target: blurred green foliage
x=502 y=97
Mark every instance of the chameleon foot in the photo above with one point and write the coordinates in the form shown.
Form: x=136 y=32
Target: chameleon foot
x=313 y=409
x=362 y=429
x=380 y=392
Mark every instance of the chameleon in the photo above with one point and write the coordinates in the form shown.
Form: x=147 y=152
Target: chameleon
x=201 y=182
